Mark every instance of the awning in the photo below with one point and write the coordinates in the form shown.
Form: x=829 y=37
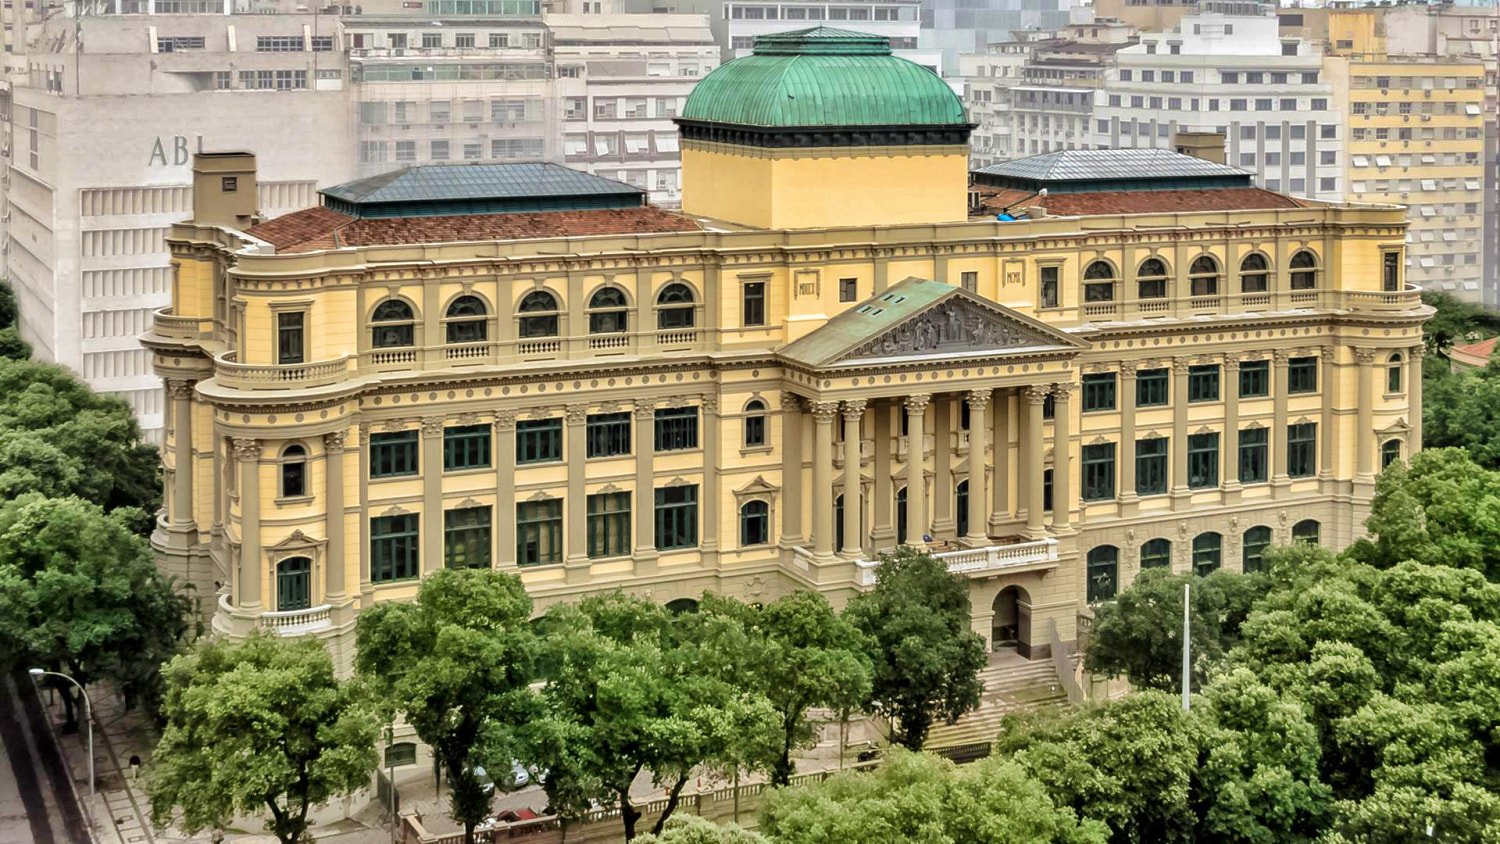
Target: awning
x=1471 y=184
x=1429 y=159
x=1471 y=109
x=1450 y=236
x=1361 y=161
x=1429 y=211
x=1427 y=262
x=1429 y=184
x=666 y=143
x=1382 y=161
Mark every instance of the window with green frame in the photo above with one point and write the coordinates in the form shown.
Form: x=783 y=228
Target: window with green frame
x=676 y=517
x=676 y=428
x=608 y=434
x=1098 y=466
x=1257 y=540
x=539 y=440
x=1151 y=466
x=466 y=538
x=394 y=548
x=1203 y=460
x=1255 y=379
x=466 y=447
x=1302 y=375
x=1098 y=392
x=393 y=454
x=1254 y=455
x=609 y=524
x=1156 y=554
x=1203 y=382
x=539 y=532
x=1153 y=387
x=1103 y=573
x=1207 y=552
x=1302 y=450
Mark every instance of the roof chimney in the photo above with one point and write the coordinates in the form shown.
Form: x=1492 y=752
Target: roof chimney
x=224 y=190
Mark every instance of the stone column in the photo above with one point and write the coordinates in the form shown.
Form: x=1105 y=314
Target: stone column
x=1329 y=392
x=978 y=495
x=1229 y=446
x=916 y=492
x=432 y=493
x=883 y=529
x=335 y=587
x=1414 y=397
x=1180 y=493
x=1062 y=456
x=575 y=508
x=1280 y=481
x=644 y=506
x=1000 y=508
x=183 y=517
x=505 y=488
x=942 y=465
x=1364 y=458
x=854 y=414
x=247 y=452
x=791 y=470
x=823 y=413
x=1031 y=452
x=1127 y=497
x=366 y=588
x=709 y=494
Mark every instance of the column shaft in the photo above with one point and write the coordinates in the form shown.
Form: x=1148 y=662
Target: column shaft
x=366 y=588
x=575 y=507
x=791 y=470
x=709 y=495
x=942 y=464
x=882 y=529
x=1062 y=456
x=916 y=492
x=505 y=488
x=1229 y=447
x=432 y=494
x=1031 y=451
x=822 y=481
x=335 y=587
x=1365 y=393
x=1279 y=478
x=247 y=452
x=1000 y=508
x=644 y=506
x=182 y=453
x=1414 y=398
x=854 y=412
x=1180 y=491
x=978 y=499
x=1329 y=391
x=1126 y=492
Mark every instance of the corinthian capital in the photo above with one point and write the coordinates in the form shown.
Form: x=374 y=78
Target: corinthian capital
x=1036 y=394
x=432 y=426
x=334 y=441
x=917 y=403
x=246 y=449
x=180 y=390
x=824 y=411
x=1365 y=355
x=854 y=409
x=978 y=399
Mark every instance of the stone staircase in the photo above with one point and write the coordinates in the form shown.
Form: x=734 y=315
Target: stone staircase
x=1011 y=684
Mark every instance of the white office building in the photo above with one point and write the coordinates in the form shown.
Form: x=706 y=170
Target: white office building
x=741 y=21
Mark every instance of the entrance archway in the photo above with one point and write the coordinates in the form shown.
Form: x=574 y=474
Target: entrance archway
x=1011 y=627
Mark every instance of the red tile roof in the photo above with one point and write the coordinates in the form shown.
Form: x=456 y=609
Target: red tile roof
x=319 y=228
x=1482 y=350
x=1138 y=202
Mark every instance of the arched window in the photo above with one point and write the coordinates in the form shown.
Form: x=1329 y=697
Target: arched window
x=1307 y=530
x=1151 y=279
x=1257 y=540
x=1304 y=267
x=608 y=311
x=961 y=505
x=293 y=472
x=1103 y=573
x=1255 y=274
x=1156 y=553
x=1206 y=552
x=293 y=584
x=1393 y=373
x=682 y=605
x=838 y=522
x=755 y=423
x=674 y=307
x=755 y=523
x=1099 y=283
x=1203 y=276
x=538 y=315
x=901 y=516
x=468 y=320
x=1390 y=452
x=392 y=325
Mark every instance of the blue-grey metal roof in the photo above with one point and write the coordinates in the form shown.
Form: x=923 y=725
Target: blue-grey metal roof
x=1111 y=169
x=437 y=189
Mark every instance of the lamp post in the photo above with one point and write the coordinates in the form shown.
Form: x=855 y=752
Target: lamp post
x=88 y=712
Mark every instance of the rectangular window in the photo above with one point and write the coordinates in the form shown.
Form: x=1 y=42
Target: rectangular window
x=278 y=44
x=1302 y=375
x=608 y=434
x=538 y=440
x=609 y=524
x=1098 y=392
x=393 y=548
x=1203 y=382
x=1254 y=451
x=848 y=289
x=466 y=538
x=466 y=447
x=1255 y=379
x=432 y=40
x=289 y=337
x=676 y=517
x=463 y=40
x=676 y=428
x=1049 y=286
x=1151 y=466
x=1391 y=271
x=1203 y=460
x=969 y=281
x=1302 y=450
x=754 y=303
x=539 y=532
x=1098 y=472
x=393 y=454
x=1152 y=387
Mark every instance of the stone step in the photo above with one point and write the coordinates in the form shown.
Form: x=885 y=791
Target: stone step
x=1008 y=687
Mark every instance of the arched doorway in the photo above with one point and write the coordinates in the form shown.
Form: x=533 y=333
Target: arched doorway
x=1011 y=627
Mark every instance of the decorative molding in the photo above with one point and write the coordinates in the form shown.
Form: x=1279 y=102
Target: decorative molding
x=956 y=324
x=246 y=449
x=709 y=402
x=824 y=411
x=609 y=407
x=978 y=399
x=679 y=481
x=854 y=410
x=917 y=404
x=541 y=495
x=432 y=426
x=468 y=419
x=1062 y=391
x=505 y=420
x=1036 y=394
x=1181 y=366
x=577 y=414
x=333 y=442
x=469 y=502
x=645 y=409
x=1280 y=356
x=610 y=489
x=394 y=425
x=538 y=413
x=396 y=510
x=1231 y=361
x=1129 y=368
x=1365 y=355
x=791 y=402
x=1417 y=352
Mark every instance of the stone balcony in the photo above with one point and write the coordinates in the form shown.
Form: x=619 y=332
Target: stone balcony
x=288 y=623
x=982 y=562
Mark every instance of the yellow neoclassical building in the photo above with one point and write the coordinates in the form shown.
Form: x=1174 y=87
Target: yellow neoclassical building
x=1052 y=373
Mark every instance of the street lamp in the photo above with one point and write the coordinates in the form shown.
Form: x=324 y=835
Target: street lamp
x=88 y=712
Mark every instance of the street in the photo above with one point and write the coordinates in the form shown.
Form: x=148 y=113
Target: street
x=34 y=803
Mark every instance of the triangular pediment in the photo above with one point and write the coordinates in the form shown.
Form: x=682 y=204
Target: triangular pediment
x=919 y=318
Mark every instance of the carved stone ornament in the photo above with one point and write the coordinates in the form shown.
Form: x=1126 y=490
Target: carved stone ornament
x=956 y=325
x=468 y=419
x=394 y=425
x=824 y=411
x=1231 y=360
x=1063 y=391
x=1180 y=366
x=577 y=414
x=180 y=390
x=1280 y=356
x=334 y=442
x=854 y=409
x=540 y=495
x=1128 y=369
x=468 y=503
x=917 y=404
x=396 y=510
x=432 y=426
x=1036 y=394
x=645 y=409
x=791 y=401
x=246 y=449
x=1418 y=352
x=1365 y=355
x=609 y=407
x=978 y=399
x=709 y=402
x=505 y=420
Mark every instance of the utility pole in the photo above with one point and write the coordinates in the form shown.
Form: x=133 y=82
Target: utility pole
x=1187 y=638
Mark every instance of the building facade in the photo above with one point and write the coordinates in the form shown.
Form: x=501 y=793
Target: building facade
x=532 y=370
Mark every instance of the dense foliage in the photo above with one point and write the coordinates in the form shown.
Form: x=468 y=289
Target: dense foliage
x=1458 y=409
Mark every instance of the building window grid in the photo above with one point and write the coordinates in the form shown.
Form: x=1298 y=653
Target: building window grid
x=676 y=428
x=1255 y=379
x=1254 y=455
x=608 y=524
x=1098 y=392
x=608 y=434
x=1153 y=388
x=394 y=548
x=1203 y=460
x=1203 y=382
x=538 y=440
x=1151 y=456
x=393 y=454
x=466 y=538
x=1103 y=573
x=676 y=517
x=466 y=447
x=1207 y=553
x=1098 y=471
x=1156 y=553
x=1302 y=375
x=539 y=532
x=1302 y=450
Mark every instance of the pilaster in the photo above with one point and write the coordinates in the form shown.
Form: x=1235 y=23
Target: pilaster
x=1031 y=451
x=1130 y=502
x=791 y=470
x=823 y=414
x=943 y=523
x=247 y=453
x=1180 y=493
x=576 y=563
x=644 y=506
x=335 y=586
x=1229 y=447
x=916 y=492
x=505 y=489
x=432 y=494
x=883 y=528
x=1281 y=483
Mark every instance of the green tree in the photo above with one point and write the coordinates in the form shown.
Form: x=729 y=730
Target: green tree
x=1443 y=509
x=11 y=344
x=256 y=726
x=925 y=655
x=1455 y=321
x=630 y=692
x=80 y=593
x=922 y=798
x=691 y=829
x=9 y=313
x=456 y=665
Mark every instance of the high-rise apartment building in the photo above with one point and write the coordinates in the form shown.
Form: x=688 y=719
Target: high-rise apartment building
x=1052 y=107
x=966 y=27
x=989 y=79
x=739 y=22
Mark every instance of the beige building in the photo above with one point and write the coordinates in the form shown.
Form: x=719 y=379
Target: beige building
x=530 y=369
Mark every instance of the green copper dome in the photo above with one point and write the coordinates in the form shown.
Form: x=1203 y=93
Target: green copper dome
x=824 y=77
